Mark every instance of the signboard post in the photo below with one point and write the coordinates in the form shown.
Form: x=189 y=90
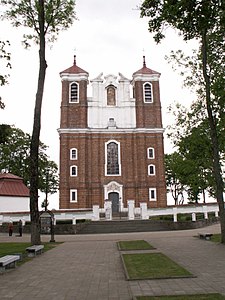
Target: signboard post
x=47 y=223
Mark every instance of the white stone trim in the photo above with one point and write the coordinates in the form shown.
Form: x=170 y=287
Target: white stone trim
x=146 y=77
x=114 y=187
x=110 y=130
x=74 y=77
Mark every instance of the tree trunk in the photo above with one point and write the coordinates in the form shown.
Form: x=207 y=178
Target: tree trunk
x=214 y=139
x=34 y=148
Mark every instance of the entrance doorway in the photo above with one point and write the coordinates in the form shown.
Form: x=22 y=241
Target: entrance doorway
x=114 y=198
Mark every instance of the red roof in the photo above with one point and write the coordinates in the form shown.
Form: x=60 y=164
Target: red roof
x=145 y=70
x=12 y=185
x=74 y=69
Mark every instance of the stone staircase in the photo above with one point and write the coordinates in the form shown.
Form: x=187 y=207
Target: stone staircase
x=124 y=226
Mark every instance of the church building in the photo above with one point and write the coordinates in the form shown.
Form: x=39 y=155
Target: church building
x=111 y=144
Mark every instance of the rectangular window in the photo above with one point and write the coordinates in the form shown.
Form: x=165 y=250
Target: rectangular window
x=151 y=153
x=73 y=195
x=73 y=153
x=152 y=194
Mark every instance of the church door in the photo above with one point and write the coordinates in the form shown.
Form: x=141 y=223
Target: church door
x=114 y=197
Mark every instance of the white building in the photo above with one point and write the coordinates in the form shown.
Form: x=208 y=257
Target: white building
x=14 y=195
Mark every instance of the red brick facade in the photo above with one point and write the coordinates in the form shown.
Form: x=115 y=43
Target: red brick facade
x=91 y=183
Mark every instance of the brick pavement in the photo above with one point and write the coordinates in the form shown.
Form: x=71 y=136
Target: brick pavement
x=88 y=267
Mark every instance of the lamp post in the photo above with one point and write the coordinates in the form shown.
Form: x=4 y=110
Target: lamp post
x=120 y=207
x=46 y=189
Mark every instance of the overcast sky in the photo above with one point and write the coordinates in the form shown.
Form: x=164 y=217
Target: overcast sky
x=109 y=37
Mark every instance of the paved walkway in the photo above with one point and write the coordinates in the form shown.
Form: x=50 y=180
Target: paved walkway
x=88 y=267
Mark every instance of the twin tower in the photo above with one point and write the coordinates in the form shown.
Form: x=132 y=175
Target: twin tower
x=111 y=144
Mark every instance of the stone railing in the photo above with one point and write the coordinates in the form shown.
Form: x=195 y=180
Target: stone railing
x=142 y=212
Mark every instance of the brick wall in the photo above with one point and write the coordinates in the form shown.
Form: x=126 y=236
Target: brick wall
x=91 y=168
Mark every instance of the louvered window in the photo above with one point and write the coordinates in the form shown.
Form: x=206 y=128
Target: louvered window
x=74 y=92
x=148 y=98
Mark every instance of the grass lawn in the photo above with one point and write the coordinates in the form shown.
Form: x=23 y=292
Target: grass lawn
x=216 y=238
x=184 y=297
x=152 y=266
x=13 y=248
x=134 y=245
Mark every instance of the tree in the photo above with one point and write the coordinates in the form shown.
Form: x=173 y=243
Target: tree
x=45 y=19
x=173 y=166
x=5 y=57
x=203 y=20
x=4 y=133
x=15 y=155
x=191 y=136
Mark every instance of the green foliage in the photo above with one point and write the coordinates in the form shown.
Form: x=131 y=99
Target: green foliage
x=58 y=15
x=191 y=167
x=173 y=170
x=189 y=17
x=4 y=133
x=14 y=157
x=5 y=57
x=63 y=222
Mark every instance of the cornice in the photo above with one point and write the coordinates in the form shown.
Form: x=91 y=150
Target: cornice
x=110 y=130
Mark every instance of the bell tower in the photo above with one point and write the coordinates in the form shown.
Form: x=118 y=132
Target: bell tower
x=146 y=92
x=74 y=111
x=74 y=97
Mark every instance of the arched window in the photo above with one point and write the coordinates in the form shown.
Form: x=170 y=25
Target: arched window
x=148 y=96
x=73 y=153
x=112 y=158
x=151 y=170
x=74 y=92
x=151 y=153
x=111 y=95
x=73 y=171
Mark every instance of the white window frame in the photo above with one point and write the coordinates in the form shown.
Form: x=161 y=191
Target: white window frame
x=151 y=92
x=77 y=100
x=71 y=171
x=71 y=154
x=150 y=194
x=149 y=167
x=73 y=192
x=119 y=158
x=153 y=153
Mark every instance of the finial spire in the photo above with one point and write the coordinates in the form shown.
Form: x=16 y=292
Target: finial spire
x=74 y=60
x=144 y=64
